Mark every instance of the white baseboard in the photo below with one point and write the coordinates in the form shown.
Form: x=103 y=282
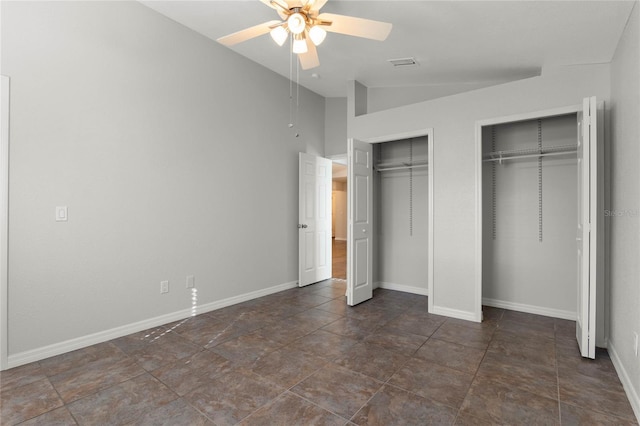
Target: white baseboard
x=402 y=287
x=632 y=393
x=44 y=352
x=455 y=313
x=530 y=309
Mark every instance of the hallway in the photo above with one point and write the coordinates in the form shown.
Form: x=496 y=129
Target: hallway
x=339 y=255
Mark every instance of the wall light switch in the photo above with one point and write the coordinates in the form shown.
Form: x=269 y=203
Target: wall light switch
x=61 y=213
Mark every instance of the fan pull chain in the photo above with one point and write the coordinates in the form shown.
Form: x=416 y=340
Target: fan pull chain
x=297 y=91
x=291 y=84
x=493 y=184
x=540 y=181
x=411 y=188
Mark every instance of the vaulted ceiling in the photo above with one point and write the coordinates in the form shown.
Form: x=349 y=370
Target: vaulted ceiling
x=459 y=45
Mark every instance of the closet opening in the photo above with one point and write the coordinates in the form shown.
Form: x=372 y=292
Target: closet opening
x=401 y=193
x=529 y=211
x=390 y=211
x=540 y=227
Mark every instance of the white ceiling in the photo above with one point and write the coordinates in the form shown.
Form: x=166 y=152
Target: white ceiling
x=458 y=44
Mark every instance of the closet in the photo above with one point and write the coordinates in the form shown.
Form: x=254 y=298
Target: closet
x=530 y=215
x=400 y=256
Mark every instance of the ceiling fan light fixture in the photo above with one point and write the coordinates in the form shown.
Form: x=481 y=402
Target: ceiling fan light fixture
x=296 y=22
x=299 y=45
x=279 y=35
x=317 y=35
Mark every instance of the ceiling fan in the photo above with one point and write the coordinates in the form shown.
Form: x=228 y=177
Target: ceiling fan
x=302 y=20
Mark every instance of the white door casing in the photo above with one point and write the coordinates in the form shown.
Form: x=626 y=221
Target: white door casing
x=4 y=219
x=587 y=230
x=360 y=224
x=314 y=219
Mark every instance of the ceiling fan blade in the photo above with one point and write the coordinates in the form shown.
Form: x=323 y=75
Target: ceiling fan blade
x=357 y=27
x=247 y=33
x=281 y=6
x=310 y=59
x=315 y=4
x=276 y=4
x=294 y=3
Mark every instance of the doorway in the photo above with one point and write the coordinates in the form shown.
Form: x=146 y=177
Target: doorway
x=339 y=220
x=369 y=210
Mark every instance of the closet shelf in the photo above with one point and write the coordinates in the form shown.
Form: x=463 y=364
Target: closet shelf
x=515 y=154
x=400 y=166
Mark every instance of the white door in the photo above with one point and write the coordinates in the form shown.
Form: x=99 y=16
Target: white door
x=359 y=232
x=314 y=219
x=586 y=237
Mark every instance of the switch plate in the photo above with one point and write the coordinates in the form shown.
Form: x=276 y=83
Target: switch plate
x=191 y=281
x=635 y=343
x=61 y=213
x=164 y=286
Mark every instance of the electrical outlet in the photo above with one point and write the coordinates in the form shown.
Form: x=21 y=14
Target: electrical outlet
x=635 y=343
x=164 y=286
x=61 y=213
x=191 y=281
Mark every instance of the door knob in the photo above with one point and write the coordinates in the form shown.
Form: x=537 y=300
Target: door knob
x=302 y=226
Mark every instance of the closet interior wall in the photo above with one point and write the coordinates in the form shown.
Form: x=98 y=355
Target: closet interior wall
x=400 y=214
x=530 y=216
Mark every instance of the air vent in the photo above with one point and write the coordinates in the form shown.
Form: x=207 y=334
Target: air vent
x=403 y=62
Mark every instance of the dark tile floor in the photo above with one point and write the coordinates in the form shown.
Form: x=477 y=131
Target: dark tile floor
x=302 y=357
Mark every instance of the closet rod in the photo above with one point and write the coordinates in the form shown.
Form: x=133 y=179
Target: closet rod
x=515 y=157
x=415 y=166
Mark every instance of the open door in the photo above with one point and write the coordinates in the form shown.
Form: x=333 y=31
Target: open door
x=587 y=231
x=314 y=219
x=360 y=214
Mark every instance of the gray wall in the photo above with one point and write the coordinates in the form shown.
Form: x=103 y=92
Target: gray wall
x=519 y=271
x=335 y=129
x=625 y=203
x=172 y=154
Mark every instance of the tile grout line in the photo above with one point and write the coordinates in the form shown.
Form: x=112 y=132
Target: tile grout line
x=289 y=389
x=475 y=374
x=64 y=405
x=555 y=353
x=479 y=364
x=386 y=382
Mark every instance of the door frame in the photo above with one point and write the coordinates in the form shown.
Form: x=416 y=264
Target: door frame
x=302 y=255
x=4 y=220
x=428 y=132
x=553 y=112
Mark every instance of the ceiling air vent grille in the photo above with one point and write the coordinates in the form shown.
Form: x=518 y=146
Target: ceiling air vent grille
x=403 y=62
